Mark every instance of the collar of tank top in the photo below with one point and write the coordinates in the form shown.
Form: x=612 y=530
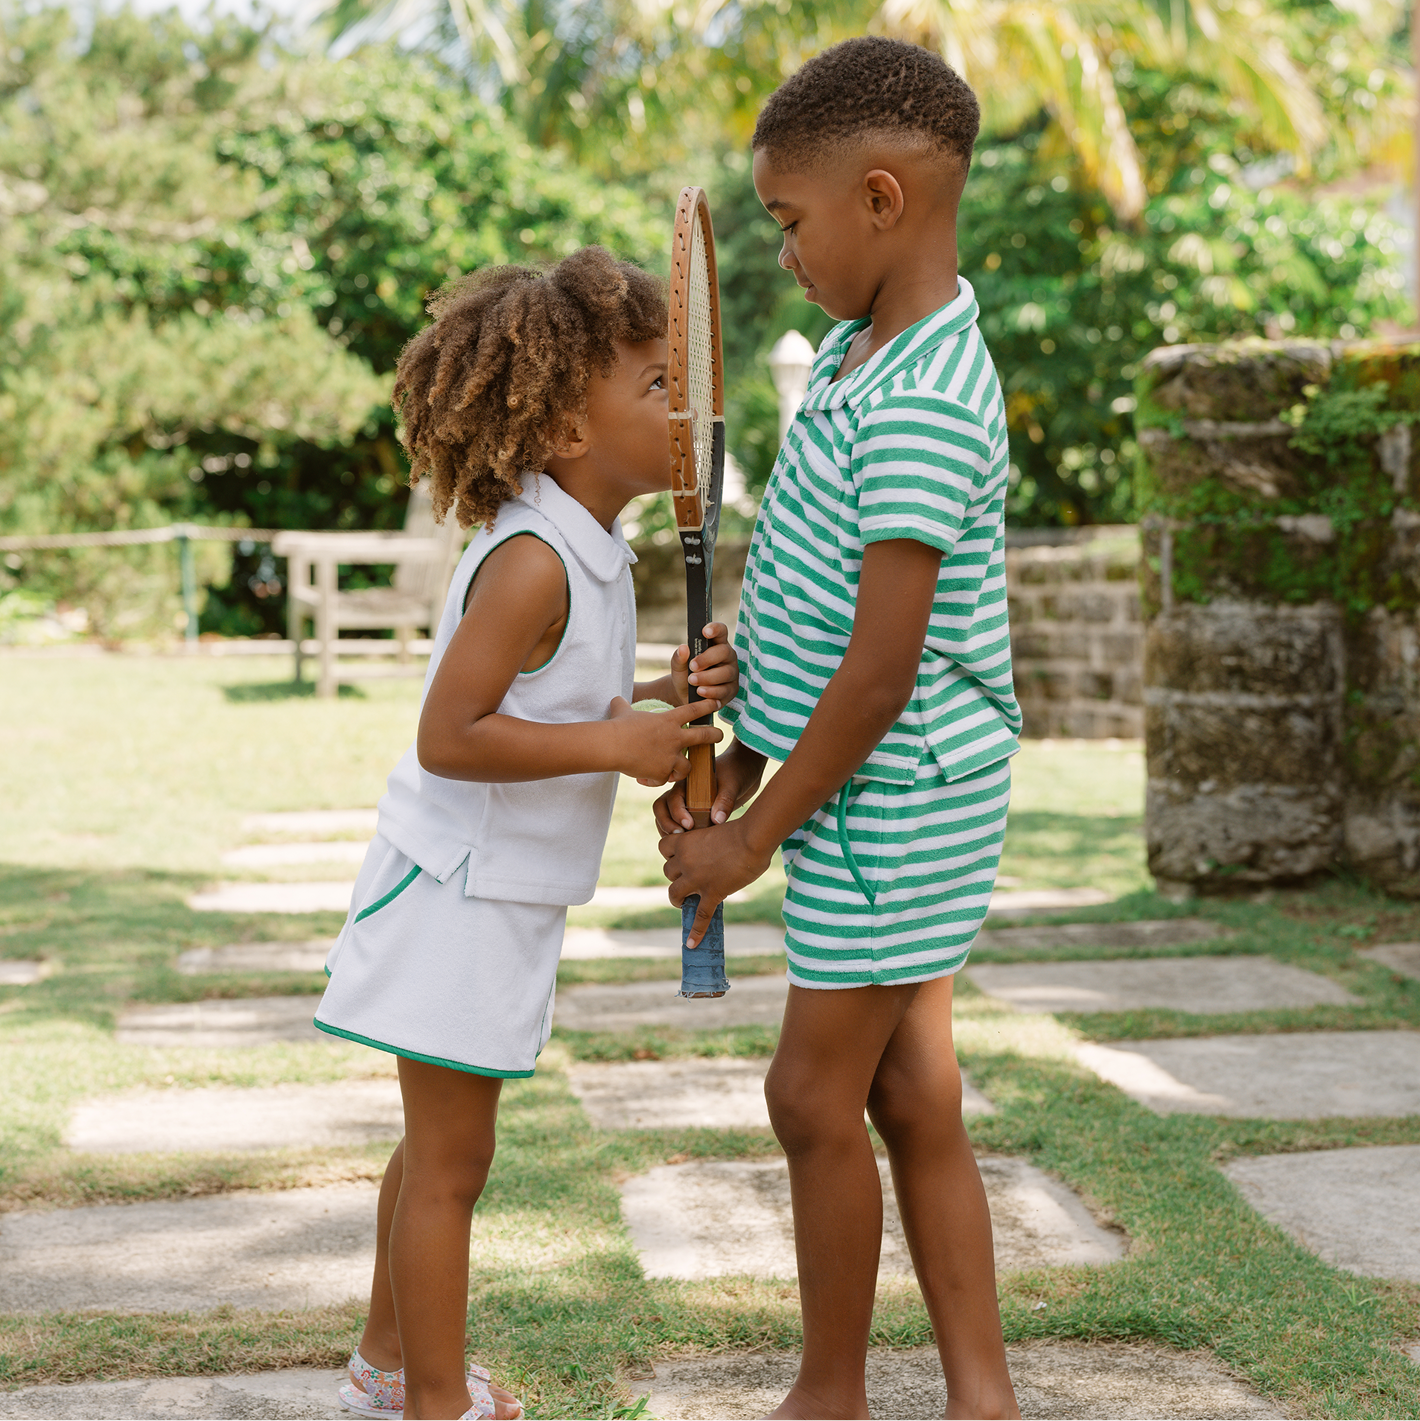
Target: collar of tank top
x=605 y=555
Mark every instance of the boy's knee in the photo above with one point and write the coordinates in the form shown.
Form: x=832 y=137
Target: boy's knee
x=803 y=1114
x=903 y=1103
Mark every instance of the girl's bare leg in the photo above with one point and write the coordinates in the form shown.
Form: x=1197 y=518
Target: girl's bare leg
x=379 y=1343
x=915 y=1105
x=817 y=1088
x=449 y=1119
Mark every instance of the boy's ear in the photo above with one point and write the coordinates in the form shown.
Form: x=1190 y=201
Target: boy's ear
x=883 y=194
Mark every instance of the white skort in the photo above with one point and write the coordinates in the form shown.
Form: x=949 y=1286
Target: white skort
x=423 y=970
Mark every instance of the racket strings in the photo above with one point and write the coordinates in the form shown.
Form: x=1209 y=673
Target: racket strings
x=700 y=367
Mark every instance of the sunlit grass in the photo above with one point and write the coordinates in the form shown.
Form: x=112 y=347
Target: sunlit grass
x=127 y=778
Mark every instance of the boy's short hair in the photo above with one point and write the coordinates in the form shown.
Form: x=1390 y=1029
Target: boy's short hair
x=486 y=391
x=866 y=88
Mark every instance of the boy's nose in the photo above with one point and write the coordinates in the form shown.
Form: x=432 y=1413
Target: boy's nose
x=786 y=258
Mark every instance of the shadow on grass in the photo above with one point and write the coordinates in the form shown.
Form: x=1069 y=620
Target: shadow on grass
x=106 y=938
x=249 y=691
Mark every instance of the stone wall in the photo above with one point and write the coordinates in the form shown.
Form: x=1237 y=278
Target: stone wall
x=1281 y=581
x=659 y=575
x=1076 y=631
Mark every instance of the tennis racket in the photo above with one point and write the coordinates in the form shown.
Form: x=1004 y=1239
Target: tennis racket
x=697 y=431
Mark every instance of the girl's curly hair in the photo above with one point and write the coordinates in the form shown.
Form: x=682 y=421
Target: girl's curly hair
x=485 y=392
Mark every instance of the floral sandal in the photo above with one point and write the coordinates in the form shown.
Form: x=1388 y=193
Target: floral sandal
x=371 y=1392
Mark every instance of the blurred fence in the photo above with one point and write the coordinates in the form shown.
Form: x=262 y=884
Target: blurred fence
x=183 y=534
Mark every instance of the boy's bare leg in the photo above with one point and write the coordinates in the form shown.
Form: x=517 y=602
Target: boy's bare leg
x=915 y=1105
x=817 y=1088
x=449 y=1119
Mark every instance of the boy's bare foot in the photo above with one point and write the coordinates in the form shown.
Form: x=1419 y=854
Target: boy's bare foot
x=988 y=1405
x=800 y=1403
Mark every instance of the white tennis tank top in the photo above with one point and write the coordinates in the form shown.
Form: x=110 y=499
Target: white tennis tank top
x=533 y=841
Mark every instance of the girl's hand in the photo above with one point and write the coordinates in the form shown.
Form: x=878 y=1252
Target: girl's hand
x=737 y=775
x=715 y=673
x=713 y=863
x=651 y=745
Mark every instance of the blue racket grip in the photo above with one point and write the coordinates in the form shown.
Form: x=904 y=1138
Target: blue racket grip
x=702 y=968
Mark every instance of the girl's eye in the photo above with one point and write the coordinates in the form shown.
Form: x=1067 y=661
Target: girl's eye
x=659 y=383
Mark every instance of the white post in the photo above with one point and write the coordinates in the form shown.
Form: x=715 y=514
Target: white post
x=790 y=360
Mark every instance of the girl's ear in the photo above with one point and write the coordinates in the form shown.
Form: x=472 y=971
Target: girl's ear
x=574 y=441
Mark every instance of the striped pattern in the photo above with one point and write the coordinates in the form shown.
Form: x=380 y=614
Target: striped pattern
x=911 y=445
x=927 y=854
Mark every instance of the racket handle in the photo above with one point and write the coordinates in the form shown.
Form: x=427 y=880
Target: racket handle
x=702 y=969
x=700 y=784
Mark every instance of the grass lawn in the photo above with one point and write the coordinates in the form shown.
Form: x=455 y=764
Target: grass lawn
x=125 y=778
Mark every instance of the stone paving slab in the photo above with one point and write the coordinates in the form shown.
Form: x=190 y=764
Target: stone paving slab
x=321 y=897
x=328 y=896
x=313 y=821
x=1294 y=1076
x=300 y=1394
x=1162 y=932
x=751 y=1001
x=286 y=855
x=741 y=940
x=580 y=945
x=1357 y=1209
x=256 y=957
x=248 y=1021
x=1052 y=1379
x=1043 y=900
x=610 y=895
x=294 y=1248
x=677 y=1216
x=719 y=1093
x=20 y=972
x=235 y=1118
x=1203 y=985
x=1402 y=957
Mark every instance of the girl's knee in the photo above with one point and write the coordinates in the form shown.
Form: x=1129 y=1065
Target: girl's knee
x=457 y=1175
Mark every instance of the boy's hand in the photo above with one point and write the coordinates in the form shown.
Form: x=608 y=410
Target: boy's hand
x=737 y=775
x=715 y=673
x=651 y=745
x=712 y=862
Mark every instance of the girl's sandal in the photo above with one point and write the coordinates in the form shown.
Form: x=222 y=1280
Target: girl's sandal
x=371 y=1392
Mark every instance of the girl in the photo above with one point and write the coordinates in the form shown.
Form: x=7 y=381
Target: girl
x=536 y=403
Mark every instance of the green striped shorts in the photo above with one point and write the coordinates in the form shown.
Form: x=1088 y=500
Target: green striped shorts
x=889 y=882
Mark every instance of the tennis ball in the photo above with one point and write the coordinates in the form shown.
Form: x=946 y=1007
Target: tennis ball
x=650 y=705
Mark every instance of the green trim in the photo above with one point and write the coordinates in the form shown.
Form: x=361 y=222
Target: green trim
x=391 y=895
x=848 y=848
x=528 y=533
x=419 y=1056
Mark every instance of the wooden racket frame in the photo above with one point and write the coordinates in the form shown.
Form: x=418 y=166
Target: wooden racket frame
x=697 y=517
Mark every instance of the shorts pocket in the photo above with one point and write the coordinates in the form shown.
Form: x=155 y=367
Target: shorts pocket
x=845 y=844
x=385 y=899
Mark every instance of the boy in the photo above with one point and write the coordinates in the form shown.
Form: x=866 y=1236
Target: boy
x=875 y=662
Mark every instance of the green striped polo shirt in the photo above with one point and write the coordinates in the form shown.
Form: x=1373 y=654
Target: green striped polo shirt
x=910 y=445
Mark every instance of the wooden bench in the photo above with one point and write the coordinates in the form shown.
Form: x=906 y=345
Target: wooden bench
x=424 y=556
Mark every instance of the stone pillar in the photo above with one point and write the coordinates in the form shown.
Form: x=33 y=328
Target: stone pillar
x=1282 y=681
